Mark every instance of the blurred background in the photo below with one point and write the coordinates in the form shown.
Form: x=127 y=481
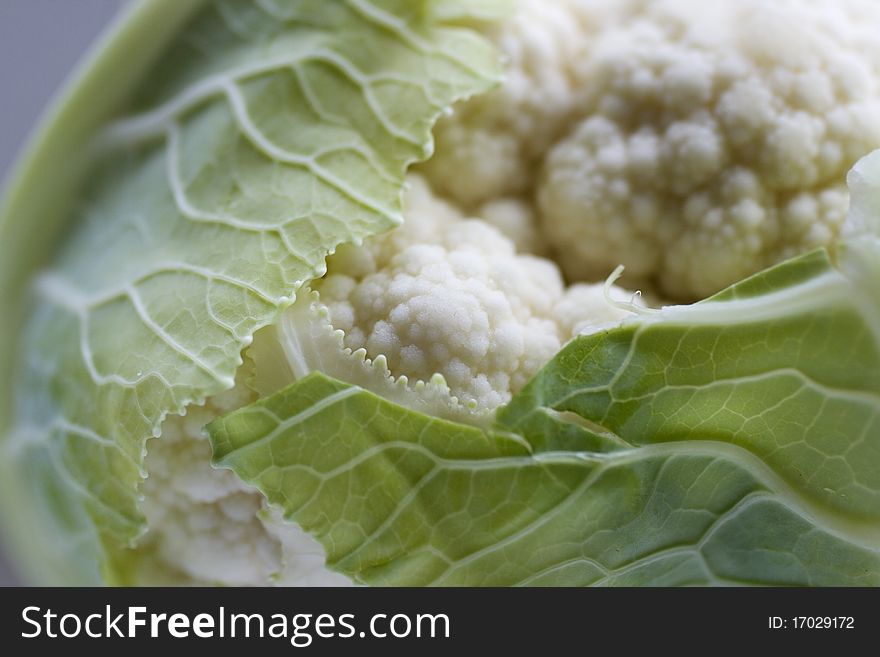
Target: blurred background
x=40 y=43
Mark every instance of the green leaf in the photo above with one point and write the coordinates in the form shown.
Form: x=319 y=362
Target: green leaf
x=467 y=10
x=266 y=135
x=790 y=375
x=733 y=441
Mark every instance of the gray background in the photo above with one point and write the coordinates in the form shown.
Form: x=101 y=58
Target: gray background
x=40 y=41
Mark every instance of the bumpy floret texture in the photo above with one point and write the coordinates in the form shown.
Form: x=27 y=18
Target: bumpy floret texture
x=206 y=526
x=490 y=145
x=442 y=294
x=450 y=295
x=694 y=142
x=713 y=148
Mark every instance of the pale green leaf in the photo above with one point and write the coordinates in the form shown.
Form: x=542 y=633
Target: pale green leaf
x=267 y=134
x=733 y=441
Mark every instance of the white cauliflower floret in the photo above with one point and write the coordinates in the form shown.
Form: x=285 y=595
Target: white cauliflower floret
x=585 y=309
x=489 y=147
x=448 y=295
x=206 y=526
x=440 y=295
x=515 y=219
x=715 y=140
x=693 y=141
x=439 y=310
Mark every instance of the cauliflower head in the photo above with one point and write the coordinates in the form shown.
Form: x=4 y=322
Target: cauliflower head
x=445 y=304
x=450 y=295
x=683 y=139
x=206 y=526
x=442 y=315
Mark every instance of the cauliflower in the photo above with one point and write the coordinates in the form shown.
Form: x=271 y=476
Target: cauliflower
x=489 y=147
x=441 y=314
x=677 y=138
x=442 y=295
x=450 y=297
x=682 y=139
x=206 y=526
